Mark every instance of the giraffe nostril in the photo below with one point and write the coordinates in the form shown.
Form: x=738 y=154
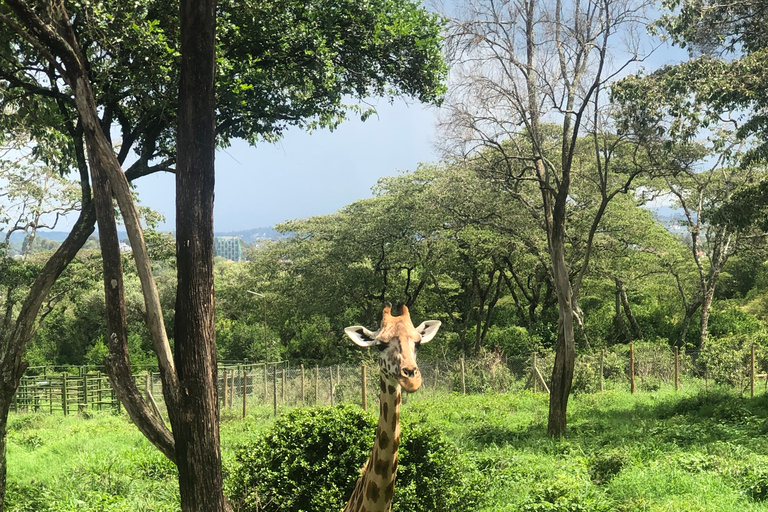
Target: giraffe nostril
x=410 y=372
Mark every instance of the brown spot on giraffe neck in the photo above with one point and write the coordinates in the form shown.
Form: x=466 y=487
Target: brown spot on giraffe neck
x=389 y=492
x=383 y=440
x=373 y=493
x=382 y=468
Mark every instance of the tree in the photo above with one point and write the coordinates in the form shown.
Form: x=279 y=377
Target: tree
x=697 y=194
x=518 y=65
x=391 y=49
x=194 y=413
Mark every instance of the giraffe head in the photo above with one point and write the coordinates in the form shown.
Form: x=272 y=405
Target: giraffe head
x=397 y=340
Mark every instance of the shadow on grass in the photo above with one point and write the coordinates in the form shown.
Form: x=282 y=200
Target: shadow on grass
x=685 y=420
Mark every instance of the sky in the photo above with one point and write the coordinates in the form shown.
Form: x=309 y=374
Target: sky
x=307 y=174
x=319 y=173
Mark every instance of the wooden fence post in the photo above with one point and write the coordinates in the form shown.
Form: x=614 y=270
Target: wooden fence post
x=274 y=389
x=232 y=387
x=282 y=389
x=752 y=374
x=64 y=392
x=463 y=377
x=303 y=395
x=602 y=378
x=534 y=381
x=245 y=389
x=99 y=392
x=363 y=381
x=225 y=388
x=632 y=367
x=330 y=374
x=84 y=403
x=677 y=368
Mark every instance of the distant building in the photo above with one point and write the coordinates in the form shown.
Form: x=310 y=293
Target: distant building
x=228 y=247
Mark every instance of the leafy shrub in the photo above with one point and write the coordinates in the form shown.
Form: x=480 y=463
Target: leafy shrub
x=604 y=465
x=727 y=358
x=311 y=458
x=754 y=481
x=485 y=373
x=566 y=494
x=516 y=343
x=27 y=498
x=731 y=319
x=586 y=371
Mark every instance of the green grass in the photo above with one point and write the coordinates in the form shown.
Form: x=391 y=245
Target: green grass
x=653 y=451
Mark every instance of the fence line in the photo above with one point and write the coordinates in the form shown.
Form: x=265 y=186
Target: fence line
x=245 y=386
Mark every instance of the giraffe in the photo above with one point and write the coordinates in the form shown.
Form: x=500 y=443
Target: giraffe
x=397 y=341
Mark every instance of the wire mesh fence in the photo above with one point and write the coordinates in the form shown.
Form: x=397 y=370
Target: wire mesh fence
x=243 y=387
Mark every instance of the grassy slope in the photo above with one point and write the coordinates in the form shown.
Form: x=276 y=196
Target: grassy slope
x=658 y=451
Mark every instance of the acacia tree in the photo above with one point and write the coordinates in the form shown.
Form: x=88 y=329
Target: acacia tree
x=698 y=194
x=520 y=64
x=278 y=79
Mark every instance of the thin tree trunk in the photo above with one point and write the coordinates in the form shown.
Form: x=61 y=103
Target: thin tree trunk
x=118 y=364
x=706 y=305
x=628 y=310
x=620 y=318
x=690 y=310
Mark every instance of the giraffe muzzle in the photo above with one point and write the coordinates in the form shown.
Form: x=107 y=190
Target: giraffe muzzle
x=410 y=379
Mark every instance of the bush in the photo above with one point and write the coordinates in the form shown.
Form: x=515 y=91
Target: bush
x=311 y=458
x=727 y=358
x=486 y=373
x=604 y=465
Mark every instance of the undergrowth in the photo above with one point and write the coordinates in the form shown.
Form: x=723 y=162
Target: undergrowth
x=652 y=451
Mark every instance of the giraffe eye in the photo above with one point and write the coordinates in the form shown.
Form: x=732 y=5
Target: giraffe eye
x=381 y=346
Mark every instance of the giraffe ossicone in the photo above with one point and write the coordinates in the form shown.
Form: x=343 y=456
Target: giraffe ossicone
x=397 y=340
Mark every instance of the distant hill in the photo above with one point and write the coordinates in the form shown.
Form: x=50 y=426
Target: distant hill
x=58 y=236
x=252 y=235
x=248 y=235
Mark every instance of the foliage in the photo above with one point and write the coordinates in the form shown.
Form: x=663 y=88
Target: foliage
x=311 y=458
x=664 y=450
x=57 y=466
x=727 y=358
x=485 y=373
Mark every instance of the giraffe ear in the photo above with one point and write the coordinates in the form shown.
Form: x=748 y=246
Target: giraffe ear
x=428 y=329
x=361 y=335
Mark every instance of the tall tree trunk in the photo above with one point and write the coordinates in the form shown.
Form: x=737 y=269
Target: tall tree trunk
x=195 y=416
x=565 y=351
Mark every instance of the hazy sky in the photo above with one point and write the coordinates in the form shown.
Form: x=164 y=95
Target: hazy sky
x=307 y=174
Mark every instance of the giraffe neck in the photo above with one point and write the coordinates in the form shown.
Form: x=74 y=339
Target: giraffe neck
x=376 y=486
